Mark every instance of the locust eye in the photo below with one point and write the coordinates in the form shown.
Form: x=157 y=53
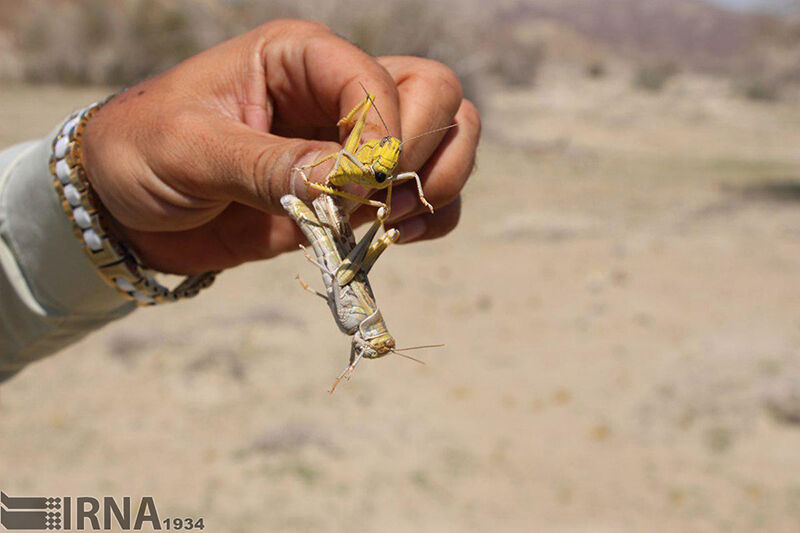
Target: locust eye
x=380 y=177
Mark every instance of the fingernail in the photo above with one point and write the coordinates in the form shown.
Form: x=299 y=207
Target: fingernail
x=411 y=229
x=404 y=202
x=307 y=159
x=296 y=183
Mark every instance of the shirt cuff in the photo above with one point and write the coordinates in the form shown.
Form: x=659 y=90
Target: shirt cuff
x=52 y=265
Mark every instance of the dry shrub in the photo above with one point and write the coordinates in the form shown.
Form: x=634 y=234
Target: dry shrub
x=761 y=89
x=596 y=70
x=122 y=42
x=654 y=76
x=117 y=43
x=397 y=27
x=522 y=66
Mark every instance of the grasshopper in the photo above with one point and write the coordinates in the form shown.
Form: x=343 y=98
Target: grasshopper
x=370 y=164
x=353 y=303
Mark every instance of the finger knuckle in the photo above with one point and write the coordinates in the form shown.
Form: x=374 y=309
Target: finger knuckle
x=378 y=74
x=257 y=172
x=471 y=116
x=389 y=82
x=310 y=26
x=296 y=27
x=448 y=83
x=438 y=78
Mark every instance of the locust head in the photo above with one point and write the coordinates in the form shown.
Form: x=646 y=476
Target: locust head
x=384 y=344
x=383 y=156
x=380 y=346
x=373 y=348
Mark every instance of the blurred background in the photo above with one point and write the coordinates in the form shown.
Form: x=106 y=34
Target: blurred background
x=620 y=305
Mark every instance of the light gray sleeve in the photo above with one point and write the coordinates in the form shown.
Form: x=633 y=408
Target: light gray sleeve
x=50 y=293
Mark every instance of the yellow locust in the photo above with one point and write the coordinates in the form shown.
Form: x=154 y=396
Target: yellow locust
x=370 y=164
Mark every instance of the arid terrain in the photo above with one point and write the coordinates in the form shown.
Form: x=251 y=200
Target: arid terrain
x=621 y=313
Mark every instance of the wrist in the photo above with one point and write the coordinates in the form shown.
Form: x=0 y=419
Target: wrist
x=115 y=261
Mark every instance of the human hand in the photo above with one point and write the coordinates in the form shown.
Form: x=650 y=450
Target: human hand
x=192 y=164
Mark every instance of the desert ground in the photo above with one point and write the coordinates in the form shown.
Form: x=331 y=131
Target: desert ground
x=621 y=312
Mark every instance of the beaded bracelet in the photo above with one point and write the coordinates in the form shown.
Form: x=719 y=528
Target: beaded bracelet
x=116 y=263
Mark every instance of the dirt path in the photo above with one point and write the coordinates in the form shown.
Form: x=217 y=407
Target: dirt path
x=621 y=308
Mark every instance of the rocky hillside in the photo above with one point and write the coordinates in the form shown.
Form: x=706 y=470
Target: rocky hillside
x=689 y=32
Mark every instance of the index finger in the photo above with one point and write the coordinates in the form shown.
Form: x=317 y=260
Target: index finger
x=314 y=68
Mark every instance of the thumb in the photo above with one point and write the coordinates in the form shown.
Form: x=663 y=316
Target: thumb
x=256 y=168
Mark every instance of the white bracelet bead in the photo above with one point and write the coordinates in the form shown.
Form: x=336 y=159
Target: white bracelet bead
x=93 y=240
x=70 y=125
x=82 y=218
x=62 y=171
x=143 y=298
x=72 y=195
x=124 y=285
x=60 y=149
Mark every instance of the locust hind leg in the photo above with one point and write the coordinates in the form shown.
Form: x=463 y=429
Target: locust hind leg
x=354 y=139
x=352 y=264
x=377 y=248
x=349 y=117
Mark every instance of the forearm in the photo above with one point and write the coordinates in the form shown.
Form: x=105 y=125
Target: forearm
x=50 y=293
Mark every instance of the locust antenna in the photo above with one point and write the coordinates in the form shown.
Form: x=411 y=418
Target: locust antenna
x=437 y=130
x=376 y=109
x=421 y=347
x=408 y=357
